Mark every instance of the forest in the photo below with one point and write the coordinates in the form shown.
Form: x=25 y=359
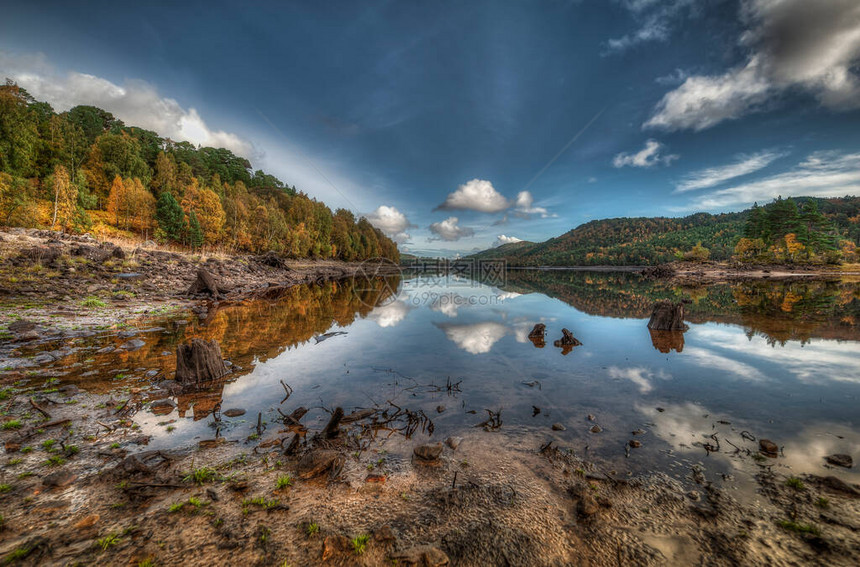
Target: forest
x=803 y=230
x=84 y=170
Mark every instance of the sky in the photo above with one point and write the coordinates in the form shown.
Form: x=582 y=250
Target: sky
x=457 y=126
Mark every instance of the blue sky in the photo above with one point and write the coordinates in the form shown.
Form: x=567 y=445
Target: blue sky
x=457 y=125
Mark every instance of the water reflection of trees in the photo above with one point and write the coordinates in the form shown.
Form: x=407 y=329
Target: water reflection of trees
x=249 y=332
x=779 y=310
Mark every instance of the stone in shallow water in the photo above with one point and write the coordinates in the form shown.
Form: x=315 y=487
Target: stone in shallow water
x=768 y=447
x=840 y=460
x=558 y=427
x=133 y=344
x=428 y=452
x=453 y=442
x=233 y=412
x=596 y=429
x=634 y=443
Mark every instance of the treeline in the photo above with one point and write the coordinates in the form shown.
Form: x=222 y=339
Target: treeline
x=84 y=170
x=828 y=230
x=784 y=232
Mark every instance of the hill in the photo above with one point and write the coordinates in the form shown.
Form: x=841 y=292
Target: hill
x=84 y=170
x=656 y=240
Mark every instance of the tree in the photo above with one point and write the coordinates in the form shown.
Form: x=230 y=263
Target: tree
x=65 y=198
x=16 y=202
x=698 y=253
x=195 y=234
x=170 y=217
x=749 y=249
x=207 y=208
x=19 y=135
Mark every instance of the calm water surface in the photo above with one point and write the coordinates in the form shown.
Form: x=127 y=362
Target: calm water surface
x=766 y=359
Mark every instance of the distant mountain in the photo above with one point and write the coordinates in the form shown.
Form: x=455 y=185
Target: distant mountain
x=655 y=240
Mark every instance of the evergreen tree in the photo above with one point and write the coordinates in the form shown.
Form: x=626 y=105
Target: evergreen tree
x=195 y=233
x=170 y=217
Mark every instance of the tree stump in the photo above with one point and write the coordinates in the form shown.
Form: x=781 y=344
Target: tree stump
x=567 y=339
x=667 y=316
x=199 y=363
x=666 y=341
x=206 y=284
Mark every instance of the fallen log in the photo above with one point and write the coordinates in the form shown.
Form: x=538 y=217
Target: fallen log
x=206 y=284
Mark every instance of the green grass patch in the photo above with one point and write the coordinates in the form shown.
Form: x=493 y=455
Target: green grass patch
x=283 y=482
x=795 y=483
x=12 y=424
x=359 y=543
x=93 y=302
x=800 y=528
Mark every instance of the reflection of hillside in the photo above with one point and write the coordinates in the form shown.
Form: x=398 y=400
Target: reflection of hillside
x=249 y=332
x=778 y=310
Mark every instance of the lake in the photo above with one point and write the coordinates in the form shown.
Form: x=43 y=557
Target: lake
x=761 y=359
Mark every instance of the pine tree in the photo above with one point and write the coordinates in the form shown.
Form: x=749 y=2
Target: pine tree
x=170 y=217
x=195 y=233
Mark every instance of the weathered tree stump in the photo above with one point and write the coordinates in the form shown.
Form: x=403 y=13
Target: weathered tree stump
x=206 y=284
x=537 y=335
x=199 y=363
x=667 y=341
x=667 y=316
x=567 y=339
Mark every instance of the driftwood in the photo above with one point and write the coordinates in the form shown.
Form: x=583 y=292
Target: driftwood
x=206 y=284
x=667 y=316
x=199 y=363
x=272 y=260
x=332 y=428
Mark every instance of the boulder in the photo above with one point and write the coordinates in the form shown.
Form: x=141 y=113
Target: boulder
x=199 y=363
x=667 y=316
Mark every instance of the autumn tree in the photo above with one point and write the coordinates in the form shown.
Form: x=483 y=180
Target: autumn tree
x=65 y=198
x=207 y=208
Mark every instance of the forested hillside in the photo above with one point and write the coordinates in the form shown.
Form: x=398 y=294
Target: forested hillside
x=84 y=170
x=827 y=229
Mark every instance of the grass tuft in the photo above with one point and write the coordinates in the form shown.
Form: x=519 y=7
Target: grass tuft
x=359 y=543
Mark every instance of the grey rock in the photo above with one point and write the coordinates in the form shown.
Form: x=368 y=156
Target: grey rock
x=558 y=427
x=233 y=412
x=59 y=479
x=453 y=442
x=131 y=345
x=428 y=452
x=596 y=429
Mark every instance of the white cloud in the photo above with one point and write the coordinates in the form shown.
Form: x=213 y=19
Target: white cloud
x=713 y=176
x=390 y=314
x=135 y=102
x=641 y=377
x=822 y=174
x=656 y=22
x=450 y=230
x=504 y=239
x=676 y=77
x=524 y=206
x=477 y=338
x=648 y=156
x=392 y=222
x=793 y=44
x=476 y=195
x=706 y=358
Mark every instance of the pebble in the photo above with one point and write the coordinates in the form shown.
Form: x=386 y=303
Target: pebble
x=453 y=442
x=133 y=344
x=558 y=427
x=440 y=409
x=634 y=443
x=596 y=429
x=233 y=412
x=591 y=418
